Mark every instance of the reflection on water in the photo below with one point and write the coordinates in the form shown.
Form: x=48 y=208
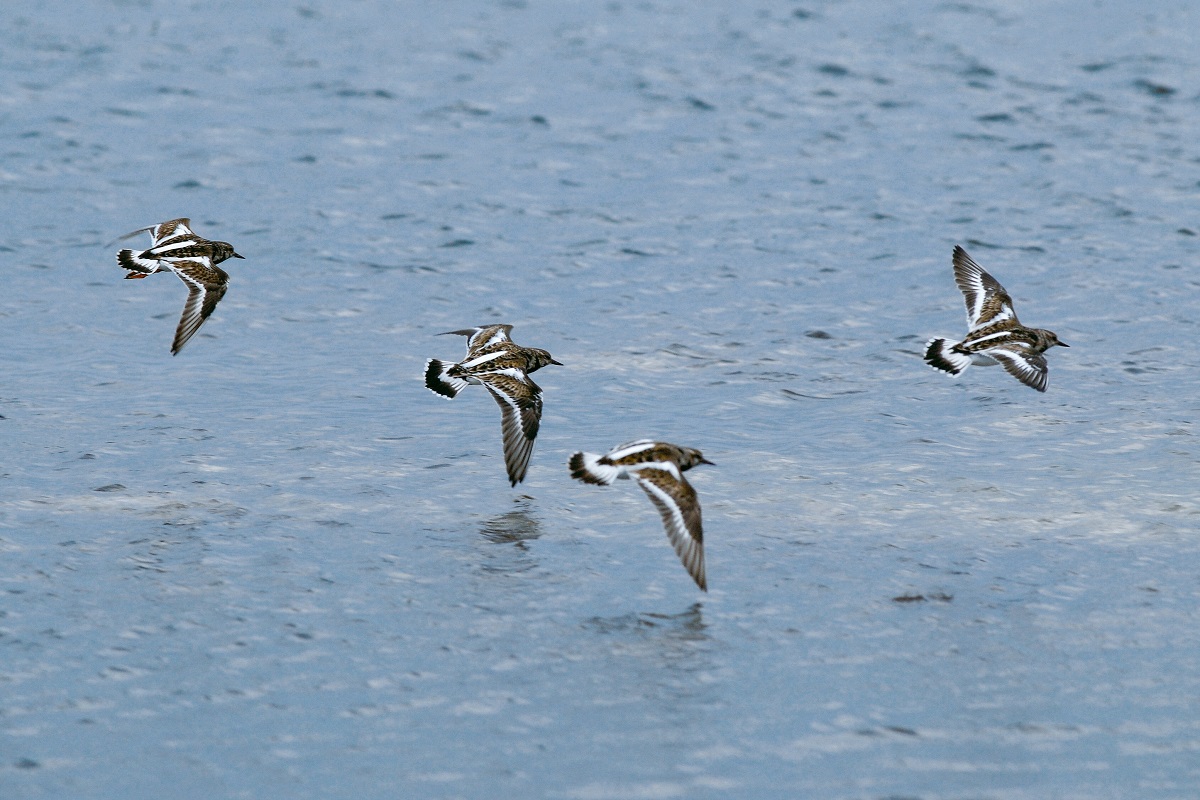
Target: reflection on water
x=514 y=527
x=513 y=531
x=665 y=650
x=687 y=625
x=659 y=673
x=737 y=220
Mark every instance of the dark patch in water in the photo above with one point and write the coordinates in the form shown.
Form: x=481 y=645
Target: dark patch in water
x=1154 y=89
x=941 y=597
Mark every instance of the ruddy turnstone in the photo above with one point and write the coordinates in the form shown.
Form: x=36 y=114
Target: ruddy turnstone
x=995 y=334
x=175 y=248
x=658 y=468
x=502 y=367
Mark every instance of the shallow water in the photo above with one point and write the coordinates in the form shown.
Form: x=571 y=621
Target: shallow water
x=276 y=566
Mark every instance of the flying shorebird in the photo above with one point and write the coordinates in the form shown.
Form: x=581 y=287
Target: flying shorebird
x=175 y=248
x=502 y=367
x=658 y=468
x=995 y=334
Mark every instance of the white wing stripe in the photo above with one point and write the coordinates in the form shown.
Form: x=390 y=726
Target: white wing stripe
x=474 y=362
x=996 y=335
x=157 y=249
x=1005 y=314
x=629 y=448
x=677 y=523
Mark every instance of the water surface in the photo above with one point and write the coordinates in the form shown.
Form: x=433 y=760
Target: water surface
x=276 y=566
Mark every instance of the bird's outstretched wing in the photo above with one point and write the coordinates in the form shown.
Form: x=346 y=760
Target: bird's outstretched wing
x=520 y=402
x=680 y=510
x=160 y=231
x=206 y=286
x=483 y=336
x=1027 y=366
x=987 y=301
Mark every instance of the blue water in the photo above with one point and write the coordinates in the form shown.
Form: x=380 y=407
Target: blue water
x=277 y=566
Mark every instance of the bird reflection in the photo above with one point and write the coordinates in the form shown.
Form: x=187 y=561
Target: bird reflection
x=516 y=527
x=687 y=625
x=666 y=660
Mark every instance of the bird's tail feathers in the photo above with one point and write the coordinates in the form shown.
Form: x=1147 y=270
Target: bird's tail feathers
x=940 y=355
x=586 y=467
x=132 y=260
x=438 y=381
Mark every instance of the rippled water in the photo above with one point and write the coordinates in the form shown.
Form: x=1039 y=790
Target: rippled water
x=276 y=566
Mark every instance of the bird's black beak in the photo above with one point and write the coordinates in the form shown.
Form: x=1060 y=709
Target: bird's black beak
x=235 y=255
x=559 y=363
x=1064 y=344
x=704 y=460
